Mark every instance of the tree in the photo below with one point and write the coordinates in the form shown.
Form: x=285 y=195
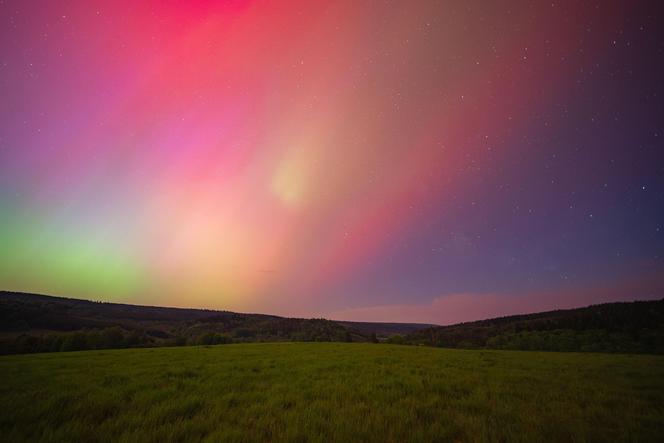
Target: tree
x=74 y=342
x=112 y=338
x=396 y=339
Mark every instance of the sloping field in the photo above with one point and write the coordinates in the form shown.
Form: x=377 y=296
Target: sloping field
x=330 y=392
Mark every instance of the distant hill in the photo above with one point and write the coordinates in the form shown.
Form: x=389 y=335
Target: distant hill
x=41 y=323
x=633 y=327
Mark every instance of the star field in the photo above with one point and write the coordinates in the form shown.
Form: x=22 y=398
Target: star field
x=392 y=161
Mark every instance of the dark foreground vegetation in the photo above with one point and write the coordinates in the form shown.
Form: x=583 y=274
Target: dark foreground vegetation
x=32 y=323
x=330 y=392
x=37 y=323
x=634 y=327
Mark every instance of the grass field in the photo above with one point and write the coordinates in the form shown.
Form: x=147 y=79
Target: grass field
x=330 y=392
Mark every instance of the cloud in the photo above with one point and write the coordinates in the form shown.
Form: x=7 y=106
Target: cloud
x=457 y=308
x=442 y=310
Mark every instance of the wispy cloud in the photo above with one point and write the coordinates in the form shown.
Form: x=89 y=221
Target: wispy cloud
x=457 y=308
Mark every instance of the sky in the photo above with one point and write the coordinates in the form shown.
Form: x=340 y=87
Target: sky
x=412 y=161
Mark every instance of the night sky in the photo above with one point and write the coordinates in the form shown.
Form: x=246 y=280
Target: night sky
x=387 y=161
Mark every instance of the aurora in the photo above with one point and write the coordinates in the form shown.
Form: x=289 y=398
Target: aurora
x=408 y=161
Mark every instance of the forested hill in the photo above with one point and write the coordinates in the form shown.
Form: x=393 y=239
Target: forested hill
x=632 y=327
x=40 y=323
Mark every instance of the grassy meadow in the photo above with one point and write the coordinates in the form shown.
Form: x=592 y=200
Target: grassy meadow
x=330 y=392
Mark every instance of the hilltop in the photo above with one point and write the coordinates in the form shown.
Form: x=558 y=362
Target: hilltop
x=42 y=323
x=635 y=327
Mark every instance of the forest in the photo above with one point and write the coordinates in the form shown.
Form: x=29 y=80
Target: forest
x=627 y=327
x=31 y=323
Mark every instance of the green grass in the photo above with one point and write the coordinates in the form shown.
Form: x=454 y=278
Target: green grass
x=330 y=392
